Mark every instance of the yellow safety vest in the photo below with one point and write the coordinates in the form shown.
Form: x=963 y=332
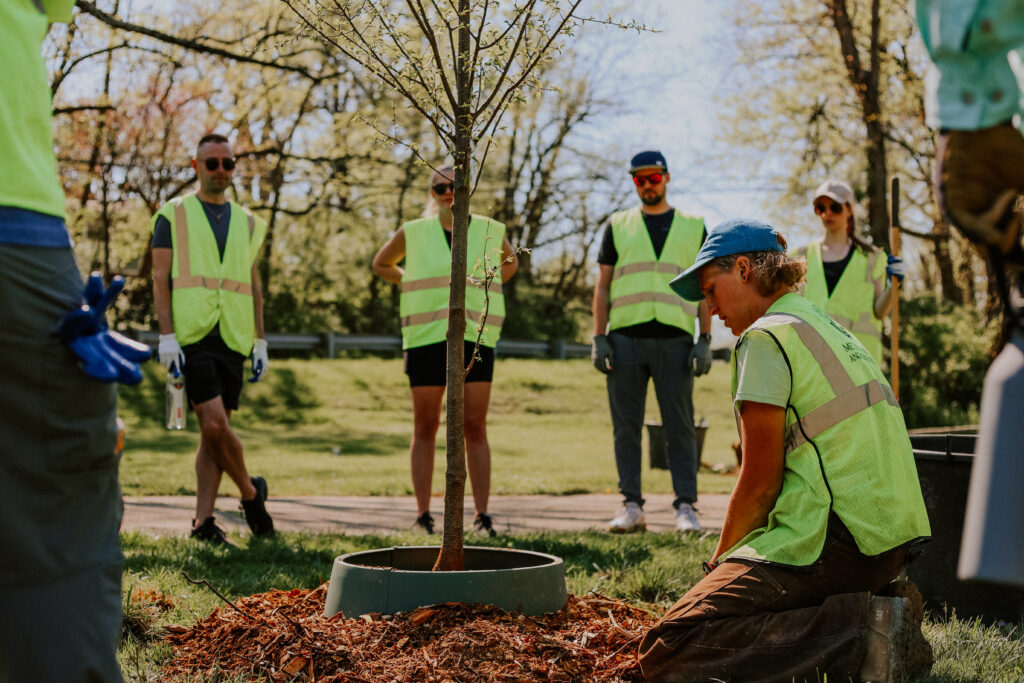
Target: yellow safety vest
x=852 y=302
x=846 y=446
x=426 y=283
x=639 y=289
x=208 y=290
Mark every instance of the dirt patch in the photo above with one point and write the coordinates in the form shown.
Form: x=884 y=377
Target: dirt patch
x=283 y=636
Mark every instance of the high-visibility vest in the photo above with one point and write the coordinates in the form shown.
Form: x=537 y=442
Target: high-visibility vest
x=852 y=302
x=28 y=173
x=426 y=283
x=639 y=289
x=207 y=290
x=846 y=445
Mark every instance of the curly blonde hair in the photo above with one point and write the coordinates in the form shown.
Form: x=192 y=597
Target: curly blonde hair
x=770 y=271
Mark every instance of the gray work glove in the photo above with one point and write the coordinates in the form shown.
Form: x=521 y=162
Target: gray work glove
x=700 y=357
x=601 y=353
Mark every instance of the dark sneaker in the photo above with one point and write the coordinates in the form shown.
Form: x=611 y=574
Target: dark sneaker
x=255 y=512
x=484 y=524
x=209 y=532
x=425 y=522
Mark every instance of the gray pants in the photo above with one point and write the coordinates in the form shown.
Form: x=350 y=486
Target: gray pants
x=635 y=361
x=60 y=502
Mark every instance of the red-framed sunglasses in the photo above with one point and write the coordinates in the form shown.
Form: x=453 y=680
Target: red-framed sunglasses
x=652 y=178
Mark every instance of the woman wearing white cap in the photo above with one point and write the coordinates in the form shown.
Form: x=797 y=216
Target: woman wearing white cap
x=846 y=276
x=827 y=505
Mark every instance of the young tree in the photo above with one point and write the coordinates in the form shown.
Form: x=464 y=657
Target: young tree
x=460 y=64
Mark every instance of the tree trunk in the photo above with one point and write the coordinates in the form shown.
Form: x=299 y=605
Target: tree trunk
x=451 y=557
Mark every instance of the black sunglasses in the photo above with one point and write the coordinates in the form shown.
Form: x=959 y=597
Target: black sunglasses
x=212 y=163
x=832 y=206
x=442 y=188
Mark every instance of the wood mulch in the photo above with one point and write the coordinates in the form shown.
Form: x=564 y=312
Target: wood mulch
x=283 y=636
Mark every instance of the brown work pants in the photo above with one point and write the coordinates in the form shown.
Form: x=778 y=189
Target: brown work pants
x=752 y=621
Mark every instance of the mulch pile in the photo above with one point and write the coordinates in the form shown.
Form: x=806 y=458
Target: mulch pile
x=283 y=636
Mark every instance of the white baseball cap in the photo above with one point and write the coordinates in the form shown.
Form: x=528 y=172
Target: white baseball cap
x=837 y=190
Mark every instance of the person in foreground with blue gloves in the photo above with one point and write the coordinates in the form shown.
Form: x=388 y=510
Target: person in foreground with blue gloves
x=60 y=503
x=846 y=277
x=209 y=307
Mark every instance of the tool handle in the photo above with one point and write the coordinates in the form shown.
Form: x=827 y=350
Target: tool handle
x=894 y=245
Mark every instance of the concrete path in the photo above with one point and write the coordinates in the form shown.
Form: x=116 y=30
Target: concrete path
x=167 y=515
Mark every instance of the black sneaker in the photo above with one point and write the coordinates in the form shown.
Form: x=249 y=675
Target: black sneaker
x=211 y=533
x=255 y=512
x=484 y=524
x=425 y=522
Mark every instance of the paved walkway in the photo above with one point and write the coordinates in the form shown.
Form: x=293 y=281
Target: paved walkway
x=166 y=515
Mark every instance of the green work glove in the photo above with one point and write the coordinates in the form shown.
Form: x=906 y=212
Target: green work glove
x=601 y=353
x=700 y=357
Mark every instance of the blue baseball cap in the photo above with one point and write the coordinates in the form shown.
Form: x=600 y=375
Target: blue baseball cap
x=734 y=236
x=649 y=159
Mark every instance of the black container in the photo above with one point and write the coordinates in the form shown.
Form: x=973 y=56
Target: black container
x=944 y=468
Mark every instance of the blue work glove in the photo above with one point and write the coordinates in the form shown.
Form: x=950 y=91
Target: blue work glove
x=601 y=353
x=700 y=357
x=103 y=354
x=260 y=361
x=896 y=268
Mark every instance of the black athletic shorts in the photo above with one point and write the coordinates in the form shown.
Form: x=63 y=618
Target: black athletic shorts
x=212 y=370
x=427 y=366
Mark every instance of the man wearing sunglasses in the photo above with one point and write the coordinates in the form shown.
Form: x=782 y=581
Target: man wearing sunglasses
x=209 y=307
x=643 y=332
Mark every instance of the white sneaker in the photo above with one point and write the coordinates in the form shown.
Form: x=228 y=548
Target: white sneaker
x=686 y=518
x=629 y=519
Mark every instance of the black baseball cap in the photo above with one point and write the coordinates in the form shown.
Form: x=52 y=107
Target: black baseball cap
x=649 y=159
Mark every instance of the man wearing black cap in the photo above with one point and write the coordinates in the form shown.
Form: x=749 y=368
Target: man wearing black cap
x=643 y=332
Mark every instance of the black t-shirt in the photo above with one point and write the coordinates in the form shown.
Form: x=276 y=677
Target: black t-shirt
x=658 y=226
x=834 y=270
x=217 y=215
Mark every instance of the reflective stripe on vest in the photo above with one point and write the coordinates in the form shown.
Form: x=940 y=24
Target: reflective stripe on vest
x=849 y=398
x=639 y=289
x=185 y=276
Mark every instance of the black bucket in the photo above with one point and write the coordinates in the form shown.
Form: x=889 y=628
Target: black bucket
x=944 y=468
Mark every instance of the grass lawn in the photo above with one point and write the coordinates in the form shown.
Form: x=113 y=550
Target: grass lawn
x=649 y=570
x=342 y=427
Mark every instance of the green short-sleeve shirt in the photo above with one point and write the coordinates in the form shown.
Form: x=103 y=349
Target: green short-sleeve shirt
x=762 y=374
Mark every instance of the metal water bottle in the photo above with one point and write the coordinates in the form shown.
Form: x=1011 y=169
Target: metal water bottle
x=175 y=400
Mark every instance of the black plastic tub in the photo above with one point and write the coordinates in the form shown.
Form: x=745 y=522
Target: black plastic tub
x=944 y=468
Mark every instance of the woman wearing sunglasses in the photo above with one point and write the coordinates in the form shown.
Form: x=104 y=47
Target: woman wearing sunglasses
x=425 y=246
x=827 y=505
x=846 y=276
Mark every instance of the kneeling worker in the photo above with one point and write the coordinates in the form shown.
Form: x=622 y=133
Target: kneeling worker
x=827 y=504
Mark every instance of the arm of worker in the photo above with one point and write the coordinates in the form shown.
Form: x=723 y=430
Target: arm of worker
x=509 y=261
x=762 y=429
x=169 y=351
x=601 y=351
x=260 y=360
x=700 y=356
x=385 y=262
x=884 y=291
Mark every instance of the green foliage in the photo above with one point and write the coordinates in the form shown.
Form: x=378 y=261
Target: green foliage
x=535 y=314
x=944 y=353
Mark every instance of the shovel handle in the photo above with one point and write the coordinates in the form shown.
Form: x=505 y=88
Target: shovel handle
x=894 y=245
